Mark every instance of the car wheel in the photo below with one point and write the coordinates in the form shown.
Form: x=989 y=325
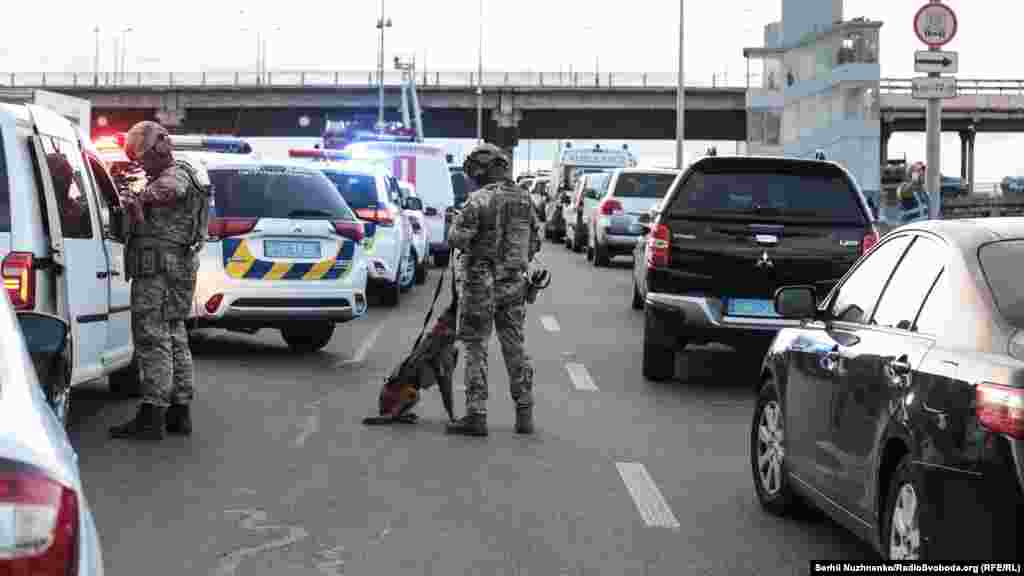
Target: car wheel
x=440 y=259
x=407 y=271
x=125 y=382
x=421 y=272
x=59 y=394
x=590 y=254
x=308 y=337
x=903 y=533
x=767 y=453
x=567 y=239
x=390 y=293
x=601 y=257
x=638 y=301
x=659 y=361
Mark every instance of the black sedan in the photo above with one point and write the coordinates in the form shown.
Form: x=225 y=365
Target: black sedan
x=897 y=406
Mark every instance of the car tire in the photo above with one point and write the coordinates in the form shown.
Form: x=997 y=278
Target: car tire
x=59 y=397
x=601 y=257
x=659 y=361
x=421 y=272
x=390 y=293
x=905 y=490
x=308 y=337
x=407 y=268
x=638 y=301
x=774 y=492
x=125 y=382
x=590 y=254
x=440 y=259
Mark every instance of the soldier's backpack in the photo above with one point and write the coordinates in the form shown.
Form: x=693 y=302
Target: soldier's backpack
x=201 y=201
x=514 y=214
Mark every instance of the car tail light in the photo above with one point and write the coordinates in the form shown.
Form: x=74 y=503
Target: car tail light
x=38 y=524
x=658 y=247
x=869 y=240
x=1000 y=409
x=381 y=216
x=214 y=303
x=349 y=229
x=20 y=280
x=227 y=227
x=610 y=206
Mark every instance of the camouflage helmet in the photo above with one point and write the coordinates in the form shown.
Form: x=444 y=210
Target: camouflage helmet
x=142 y=137
x=486 y=160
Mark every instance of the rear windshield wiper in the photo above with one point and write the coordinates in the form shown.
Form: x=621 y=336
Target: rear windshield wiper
x=311 y=213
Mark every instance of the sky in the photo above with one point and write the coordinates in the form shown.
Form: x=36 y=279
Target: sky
x=525 y=35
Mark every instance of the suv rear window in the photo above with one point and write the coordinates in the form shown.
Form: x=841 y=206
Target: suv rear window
x=638 y=185
x=277 y=192
x=744 y=189
x=1001 y=263
x=5 y=193
x=358 y=190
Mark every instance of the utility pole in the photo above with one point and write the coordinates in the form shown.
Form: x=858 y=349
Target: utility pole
x=381 y=24
x=96 y=57
x=480 y=79
x=933 y=147
x=117 y=60
x=680 y=96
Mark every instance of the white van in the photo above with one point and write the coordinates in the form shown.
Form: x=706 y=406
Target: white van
x=58 y=241
x=425 y=167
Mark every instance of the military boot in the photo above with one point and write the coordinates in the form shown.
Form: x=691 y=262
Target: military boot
x=472 y=424
x=179 y=420
x=148 y=424
x=524 y=420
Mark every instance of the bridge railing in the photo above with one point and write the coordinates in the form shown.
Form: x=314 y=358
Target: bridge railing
x=965 y=86
x=355 y=78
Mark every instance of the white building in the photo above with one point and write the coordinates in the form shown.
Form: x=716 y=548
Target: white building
x=819 y=90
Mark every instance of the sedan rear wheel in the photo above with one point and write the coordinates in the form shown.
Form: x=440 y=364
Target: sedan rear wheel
x=768 y=453
x=306 y=337
x=903 y=534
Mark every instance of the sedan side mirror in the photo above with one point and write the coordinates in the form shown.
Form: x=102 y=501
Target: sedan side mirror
x=796 y=302
x=412 y=203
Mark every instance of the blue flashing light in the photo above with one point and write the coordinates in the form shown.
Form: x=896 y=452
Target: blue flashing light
x=219 y=144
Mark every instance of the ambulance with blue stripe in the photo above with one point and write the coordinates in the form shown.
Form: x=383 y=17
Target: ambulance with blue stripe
x=284 y=252
x=373 y=193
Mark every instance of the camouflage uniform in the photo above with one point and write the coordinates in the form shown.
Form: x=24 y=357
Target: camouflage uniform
x=497 y=234
x=162 y=262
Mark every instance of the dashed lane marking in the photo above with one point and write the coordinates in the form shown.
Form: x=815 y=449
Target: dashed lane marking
x=648 y=499
x=580 y=377
x=312 y=423
x=364 y=348
x=550 y=323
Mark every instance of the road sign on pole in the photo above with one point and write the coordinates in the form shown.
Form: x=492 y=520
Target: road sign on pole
x=931 y=87
x=935 y=24
x=935 y=62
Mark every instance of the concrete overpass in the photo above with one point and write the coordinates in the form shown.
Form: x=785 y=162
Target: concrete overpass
x=534 y=105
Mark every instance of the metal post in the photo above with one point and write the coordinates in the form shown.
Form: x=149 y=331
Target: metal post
x=380 y=69
x=117 y=59
x=933 y=145
x=970 y=173
x=96 y=58
x=479 y=79
x=405 y=100
x=680 y=96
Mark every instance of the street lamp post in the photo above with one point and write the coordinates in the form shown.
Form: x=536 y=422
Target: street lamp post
x=480 y=79
x=382 y=23
x=96 y=57
x=680 y=96
x=124 y=50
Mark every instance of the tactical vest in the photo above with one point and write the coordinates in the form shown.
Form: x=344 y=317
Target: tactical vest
x=513 y=220
x=184 y=223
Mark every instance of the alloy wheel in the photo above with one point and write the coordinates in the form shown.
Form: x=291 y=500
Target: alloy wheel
x=904 y=532
x=770 y=451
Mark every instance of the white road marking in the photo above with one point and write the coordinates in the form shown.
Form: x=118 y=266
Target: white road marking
x=550 y=323
x=580 y=377
x=253 y=520
x=648 y=499
x=364 y=348
x=311 y=424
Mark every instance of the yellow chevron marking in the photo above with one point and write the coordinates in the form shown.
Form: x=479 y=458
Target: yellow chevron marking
x=319 y=270
x=277 y=271
x=238 y=269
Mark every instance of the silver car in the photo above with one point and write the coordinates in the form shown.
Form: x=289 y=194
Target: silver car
x=613 y=226
x=46 y=525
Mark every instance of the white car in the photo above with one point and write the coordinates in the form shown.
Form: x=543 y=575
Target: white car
x=46 y=523
x=418 y=224
x=614 y=228
x=373 y=193
x=284 y=251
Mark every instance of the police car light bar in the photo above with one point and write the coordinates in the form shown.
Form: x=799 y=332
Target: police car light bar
x=222 y=144
x=319 y=154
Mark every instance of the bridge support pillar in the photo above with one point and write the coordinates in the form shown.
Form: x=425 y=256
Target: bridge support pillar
x=507 y=134
x=967 y=158
x=885 y=134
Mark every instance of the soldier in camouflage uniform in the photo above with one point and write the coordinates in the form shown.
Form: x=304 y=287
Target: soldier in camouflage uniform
x=497 y=235
x=167 y=232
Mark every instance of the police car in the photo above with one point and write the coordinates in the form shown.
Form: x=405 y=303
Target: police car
x=369 y=188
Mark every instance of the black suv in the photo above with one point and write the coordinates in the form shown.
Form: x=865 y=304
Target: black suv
x=731 y=231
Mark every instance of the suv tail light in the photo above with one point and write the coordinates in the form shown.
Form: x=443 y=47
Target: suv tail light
x=227 y=227
x=610 y=206
x=381 y=216
x=869 y=240
x=38 y=523
x=658 y=247
x=349 y=229
x=214 y=303
x=20 y=280
x=1000 y=409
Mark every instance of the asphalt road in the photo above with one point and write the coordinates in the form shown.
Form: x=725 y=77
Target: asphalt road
x=624 y=476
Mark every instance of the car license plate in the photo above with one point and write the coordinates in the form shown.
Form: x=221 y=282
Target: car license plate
x=751 y=307
x=291 y=249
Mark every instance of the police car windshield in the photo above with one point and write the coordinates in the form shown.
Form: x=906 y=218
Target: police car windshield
x=5 y=194
x=358 y=190
x=276 y=192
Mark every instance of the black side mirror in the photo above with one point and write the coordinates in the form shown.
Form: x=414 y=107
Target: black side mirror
x=412 y=203
x=796 y=302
